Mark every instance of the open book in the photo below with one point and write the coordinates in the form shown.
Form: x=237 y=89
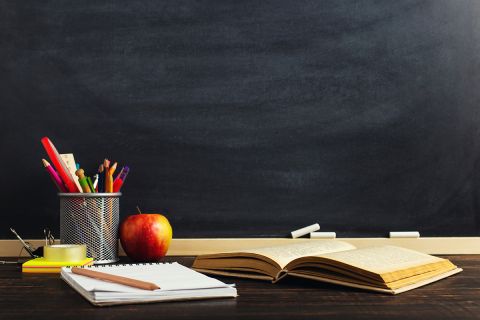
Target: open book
x=385 y=269
x=176 y=282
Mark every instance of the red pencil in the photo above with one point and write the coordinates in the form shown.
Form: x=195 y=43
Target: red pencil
x=59 y=165
x=120 y=179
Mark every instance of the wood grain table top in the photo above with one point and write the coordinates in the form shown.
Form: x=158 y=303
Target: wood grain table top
x=31 y=296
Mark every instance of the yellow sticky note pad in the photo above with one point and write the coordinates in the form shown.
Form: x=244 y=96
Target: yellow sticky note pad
x=41 y=265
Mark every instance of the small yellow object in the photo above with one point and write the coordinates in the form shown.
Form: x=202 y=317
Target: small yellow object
x=42 y=265
x=57 y=256
x=65 y=252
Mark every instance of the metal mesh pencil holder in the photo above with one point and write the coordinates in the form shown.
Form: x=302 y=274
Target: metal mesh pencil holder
x=91 y=219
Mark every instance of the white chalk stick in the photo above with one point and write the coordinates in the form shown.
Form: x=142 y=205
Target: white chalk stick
x=323 y=235
x=404 y=234
x=306 y=230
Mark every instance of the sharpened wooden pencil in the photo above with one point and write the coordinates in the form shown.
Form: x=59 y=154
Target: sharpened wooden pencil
x=116 y=279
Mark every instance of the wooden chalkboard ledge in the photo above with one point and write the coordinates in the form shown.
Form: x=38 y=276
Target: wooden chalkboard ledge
x=193 y=247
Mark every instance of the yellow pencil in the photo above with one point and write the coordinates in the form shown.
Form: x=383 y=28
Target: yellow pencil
x=106 y=166
x=113 y=168
x=109 y=178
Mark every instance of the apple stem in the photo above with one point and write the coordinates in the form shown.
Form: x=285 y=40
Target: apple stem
x=139 y=211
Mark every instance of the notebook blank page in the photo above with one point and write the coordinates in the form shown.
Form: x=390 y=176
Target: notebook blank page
x=168 y=276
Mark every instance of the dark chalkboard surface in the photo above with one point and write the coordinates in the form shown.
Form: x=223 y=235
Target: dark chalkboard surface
x=249 y=118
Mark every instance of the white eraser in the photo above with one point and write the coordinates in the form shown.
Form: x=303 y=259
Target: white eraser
x=323 y=235
x=404 y=234
x=306 y=230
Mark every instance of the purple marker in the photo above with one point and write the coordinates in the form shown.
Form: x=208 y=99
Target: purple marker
x=55 y=177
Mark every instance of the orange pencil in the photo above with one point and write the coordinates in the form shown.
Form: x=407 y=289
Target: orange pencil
x=110 y=173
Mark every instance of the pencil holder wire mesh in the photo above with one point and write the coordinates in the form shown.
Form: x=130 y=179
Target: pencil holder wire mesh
x=91 y=219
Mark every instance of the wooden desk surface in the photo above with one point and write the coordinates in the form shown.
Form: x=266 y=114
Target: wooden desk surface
x=27 y=296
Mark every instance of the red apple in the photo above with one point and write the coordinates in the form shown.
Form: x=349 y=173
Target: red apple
x=145 y=236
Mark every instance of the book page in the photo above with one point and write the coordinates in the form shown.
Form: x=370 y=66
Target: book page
x=284 y=254
x=383 y=259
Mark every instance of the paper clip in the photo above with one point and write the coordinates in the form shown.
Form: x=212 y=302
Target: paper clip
x=49 y=238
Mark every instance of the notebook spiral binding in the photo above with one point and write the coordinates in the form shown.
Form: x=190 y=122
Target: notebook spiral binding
x=119 y=264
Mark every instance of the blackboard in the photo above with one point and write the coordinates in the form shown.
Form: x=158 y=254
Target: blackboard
x=249 y=118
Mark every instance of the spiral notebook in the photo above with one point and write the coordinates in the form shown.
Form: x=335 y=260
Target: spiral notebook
x=176 y=281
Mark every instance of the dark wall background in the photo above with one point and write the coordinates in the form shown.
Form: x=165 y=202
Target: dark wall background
x=249 y=118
